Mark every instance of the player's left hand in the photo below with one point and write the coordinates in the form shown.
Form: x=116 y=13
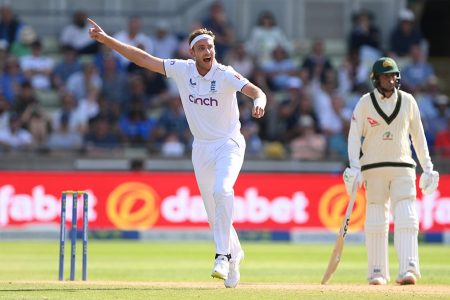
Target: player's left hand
x=257 y=112
x=96 y=32
x=429 y=182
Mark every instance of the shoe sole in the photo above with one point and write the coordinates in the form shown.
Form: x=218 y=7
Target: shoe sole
x=218 y=275
x=407 y=281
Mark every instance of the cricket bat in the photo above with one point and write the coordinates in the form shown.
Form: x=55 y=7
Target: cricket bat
x=339 y=246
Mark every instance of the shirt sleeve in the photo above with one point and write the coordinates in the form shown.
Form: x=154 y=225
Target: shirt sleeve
x=174 y=67
x=418 y=138
x=355 y=135
x=236 y=80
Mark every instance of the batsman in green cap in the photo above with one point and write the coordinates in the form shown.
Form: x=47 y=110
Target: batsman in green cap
x=384 y=124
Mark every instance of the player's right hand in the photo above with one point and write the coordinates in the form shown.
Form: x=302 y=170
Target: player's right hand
x=96 y=32
x=350 y=176
x=257 y=112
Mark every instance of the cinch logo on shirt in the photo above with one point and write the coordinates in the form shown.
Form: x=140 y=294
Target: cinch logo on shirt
x=204 y=101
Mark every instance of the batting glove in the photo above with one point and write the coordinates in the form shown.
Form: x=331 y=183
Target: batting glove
x=350 y=176
x=429 y=182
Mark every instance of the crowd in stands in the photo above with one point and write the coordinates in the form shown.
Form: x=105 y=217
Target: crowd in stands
x=107 y=103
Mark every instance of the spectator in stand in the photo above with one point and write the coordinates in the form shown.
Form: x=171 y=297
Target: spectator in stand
x=80 y=82
x=136 y=127
x=365 y=37
x=296 y=106
x=89 y=107
x=417 y=73
x=218 y=23
x=37 y=67
x=308 y=144
x=101 y=136
x=4 y=112
x=37 y=122
x=405 y=34
x=320 y=93
x=157 y=90
x=427 y=103
x=68 y=65
x=254 y=144
x=137 y=92
x=26 y=96
x=22 y=46
x=114 y=80
x=76 y=34
x=240 y=60
x=172 y=146
x=76 y=119
x=64 y=138
x=11 y=79
x=14 y=137
x=265 y=37
x=151 y=87
x=108 y=110
x=134 y=36
x=4 y=54
x=442 y=142
x=10 y=26
x=336 y=126
x=172 y=121
x=440 y=121
x=316 y=62
x=104 y=52
x=165 y=43
x=352 y=74
x=280 y=69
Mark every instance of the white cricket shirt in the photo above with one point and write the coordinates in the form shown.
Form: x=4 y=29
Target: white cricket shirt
x=386 y=127
x=209 y=101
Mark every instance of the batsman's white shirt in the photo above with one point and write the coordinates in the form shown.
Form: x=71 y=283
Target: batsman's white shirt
x=209 y=101
x=386 y=126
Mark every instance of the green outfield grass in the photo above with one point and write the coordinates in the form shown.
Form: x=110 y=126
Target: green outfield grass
x=181 y=270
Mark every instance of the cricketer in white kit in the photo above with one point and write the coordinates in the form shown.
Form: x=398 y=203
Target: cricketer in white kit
x=208 y=94
x=383 y=125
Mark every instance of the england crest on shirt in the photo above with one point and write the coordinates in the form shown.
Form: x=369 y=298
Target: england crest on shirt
x=213 y=87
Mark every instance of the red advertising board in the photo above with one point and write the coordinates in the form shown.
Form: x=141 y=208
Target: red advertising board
x=160 y=200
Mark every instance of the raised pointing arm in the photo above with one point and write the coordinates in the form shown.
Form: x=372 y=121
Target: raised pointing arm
x=134 y=54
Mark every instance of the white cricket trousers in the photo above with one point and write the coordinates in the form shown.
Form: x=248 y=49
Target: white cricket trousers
x=391 y=189
x=217 y=166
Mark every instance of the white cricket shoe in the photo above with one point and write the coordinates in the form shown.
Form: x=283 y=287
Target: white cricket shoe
x=407 y=278
x=221 y=267
x=378 y=280
x=234 y=275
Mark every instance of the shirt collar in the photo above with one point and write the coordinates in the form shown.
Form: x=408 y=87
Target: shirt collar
x=209 y=75
x=384 y=99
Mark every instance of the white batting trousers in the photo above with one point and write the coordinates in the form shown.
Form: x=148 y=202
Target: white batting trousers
x=217 y=166
x=394 y=188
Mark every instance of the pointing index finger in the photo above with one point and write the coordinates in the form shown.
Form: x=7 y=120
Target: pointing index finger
x=93 y=23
